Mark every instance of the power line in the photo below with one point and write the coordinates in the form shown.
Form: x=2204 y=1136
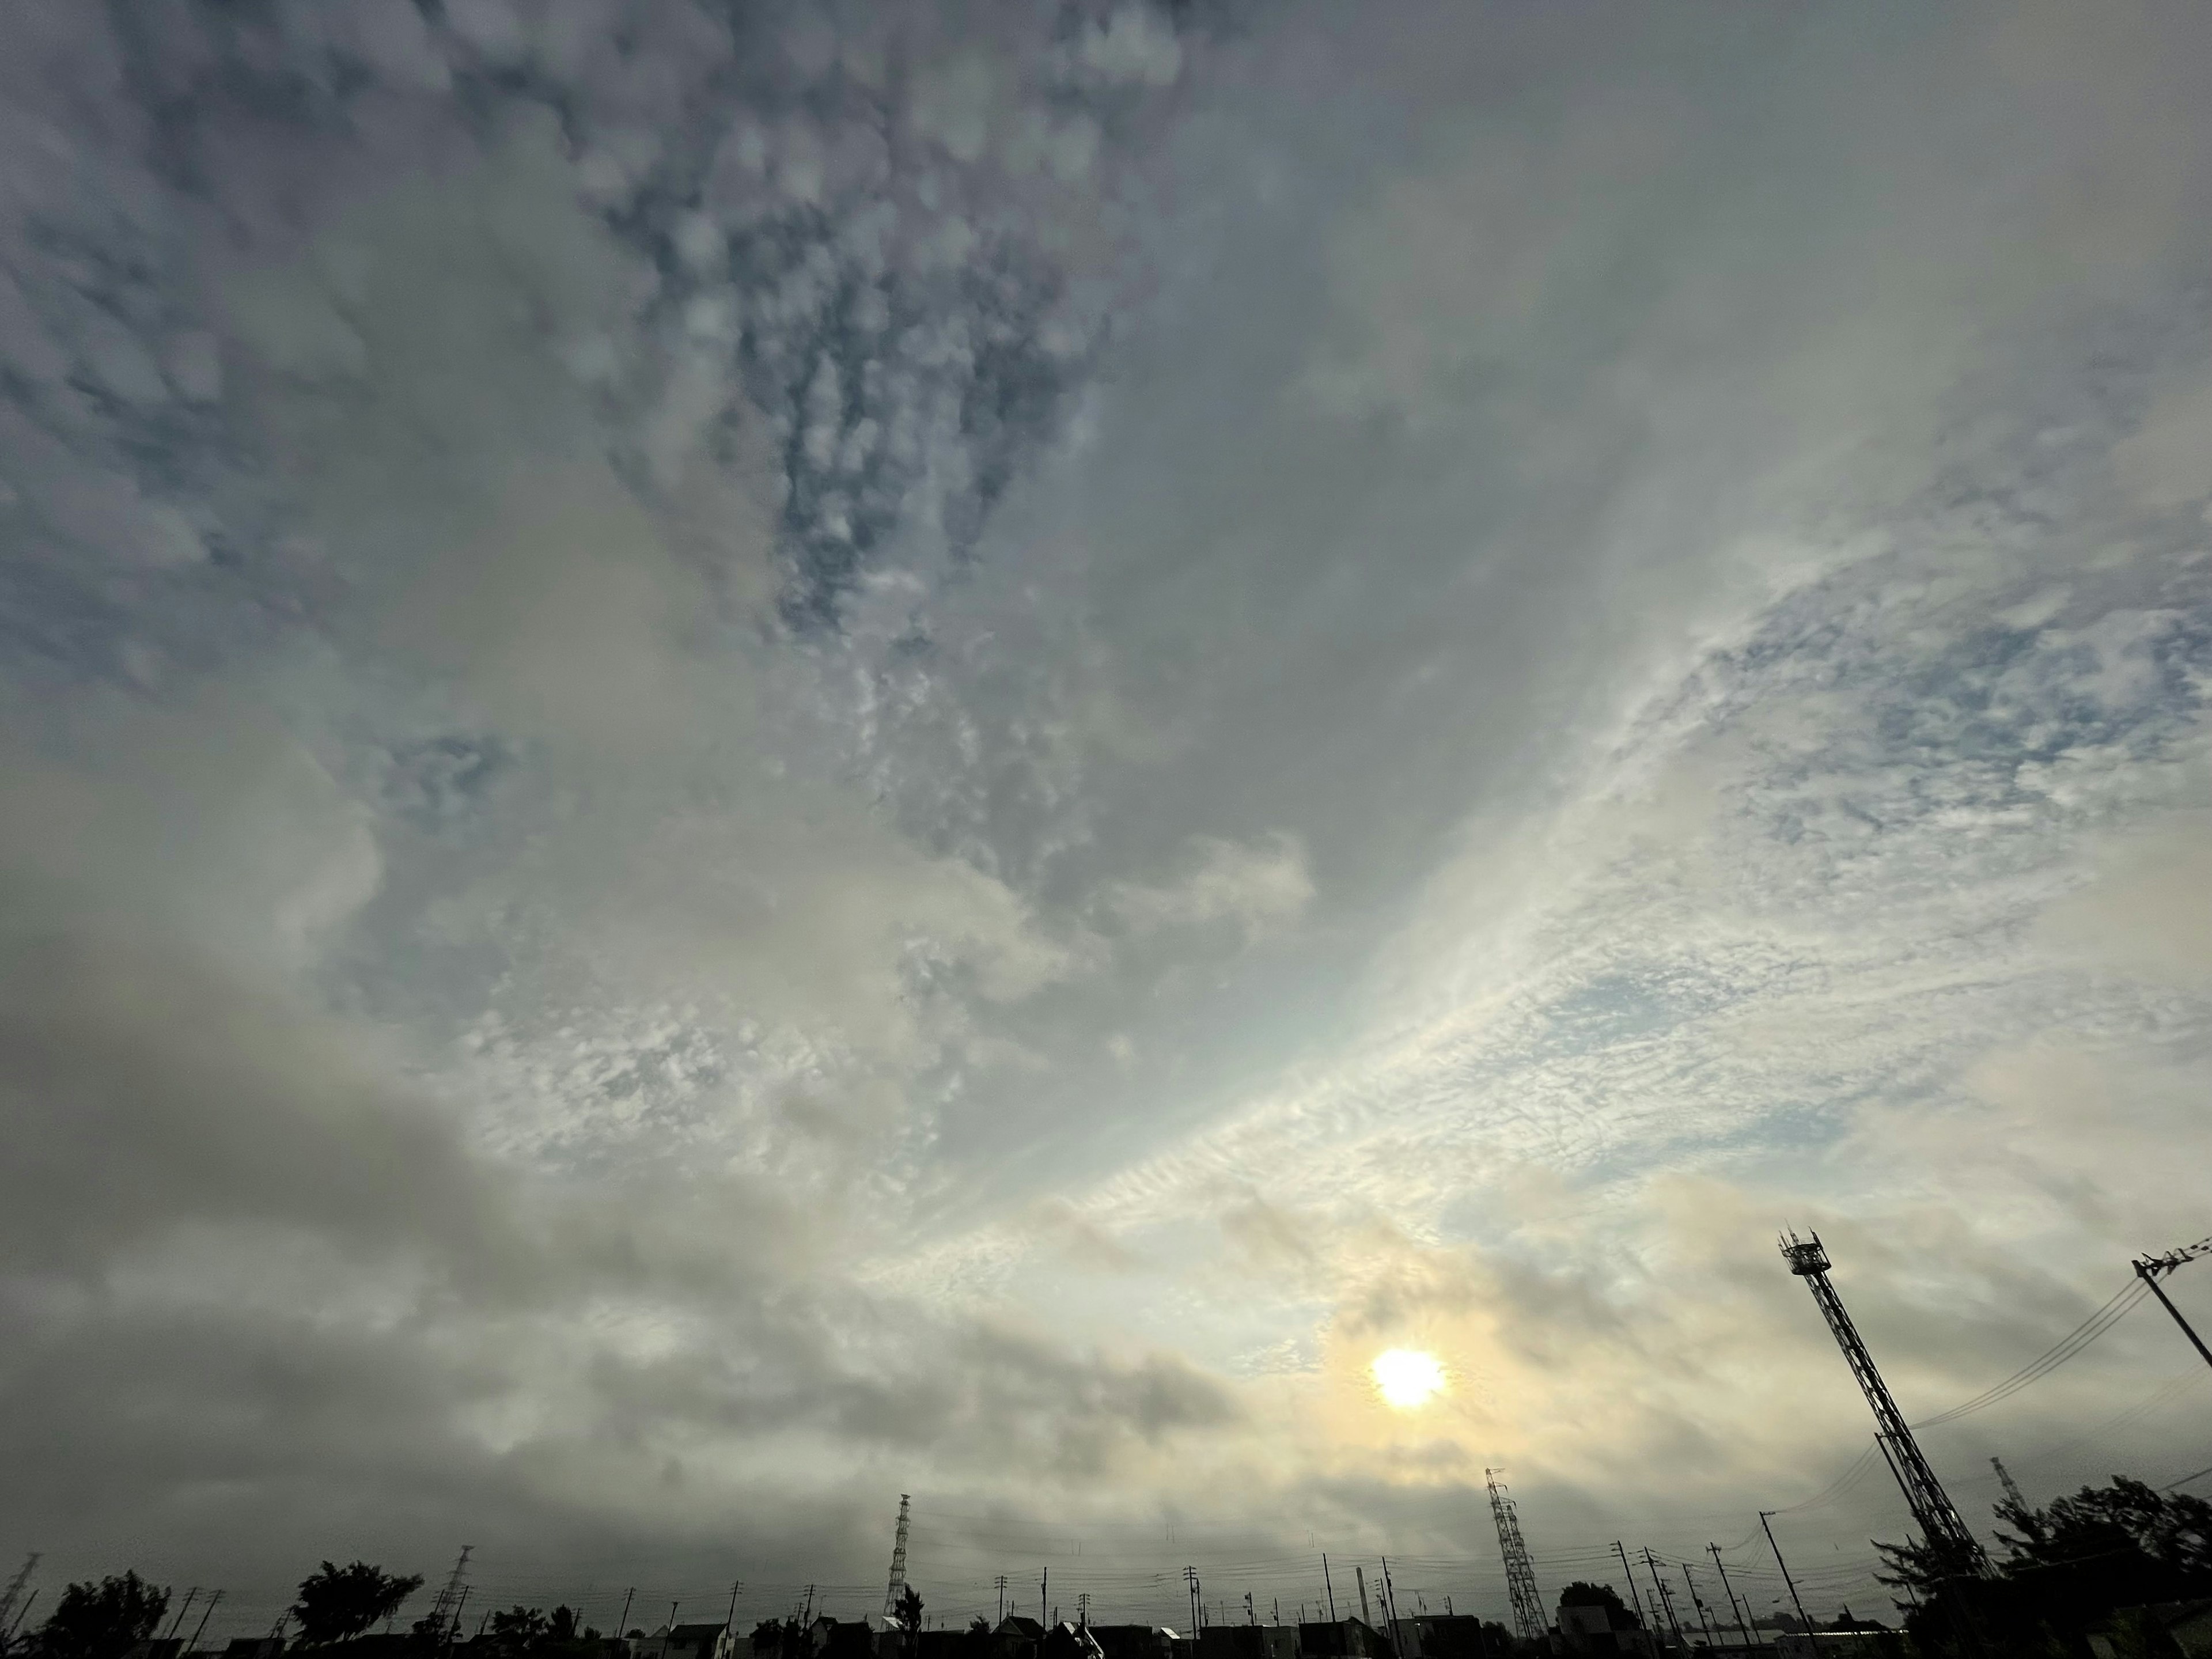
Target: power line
x=2120 y=1305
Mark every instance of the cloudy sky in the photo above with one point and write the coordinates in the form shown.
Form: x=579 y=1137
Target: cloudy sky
x=762 y=754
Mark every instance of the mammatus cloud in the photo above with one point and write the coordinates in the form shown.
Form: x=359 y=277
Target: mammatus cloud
x=760 y=757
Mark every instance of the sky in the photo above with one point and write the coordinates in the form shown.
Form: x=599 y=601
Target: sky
x=762 y=755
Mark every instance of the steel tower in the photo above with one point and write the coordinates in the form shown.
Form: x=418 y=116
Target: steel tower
x=898 y=1563
x=1940 y=1525
x=1529 y=1621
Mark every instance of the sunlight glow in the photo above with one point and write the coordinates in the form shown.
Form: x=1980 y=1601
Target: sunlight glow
x=1407 y=1378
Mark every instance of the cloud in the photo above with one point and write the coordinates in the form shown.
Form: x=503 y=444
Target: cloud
x=1257 y=886
x=757 y=760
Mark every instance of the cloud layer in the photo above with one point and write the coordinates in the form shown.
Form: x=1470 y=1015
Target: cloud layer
x=759 y=757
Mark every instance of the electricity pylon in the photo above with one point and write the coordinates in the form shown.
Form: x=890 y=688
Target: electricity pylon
x=9 y=1596
x=1519 y=1576
x=447 y=1606
x=1944 y=1533
x=898 y=1562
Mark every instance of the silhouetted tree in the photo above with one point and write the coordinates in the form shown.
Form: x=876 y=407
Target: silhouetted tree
x=2064 y=1570
x=338 y=1603
x=1583 y=1595
x=103 y=1620
x=906 y=1615
x=519 y=1630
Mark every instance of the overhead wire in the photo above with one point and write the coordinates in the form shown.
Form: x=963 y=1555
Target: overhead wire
x=2121 y=1304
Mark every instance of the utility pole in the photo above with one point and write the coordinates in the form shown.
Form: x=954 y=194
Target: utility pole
x=1721 y=1567
x=1083 y=1611
x=1697 y=1605
x=622 y=1624
x=1250 y=1617
x=1000 y=1581
x=1941 y=1528
x=177 y=1624
x=1802 y=1619
x=22 y=1611
x=453 y=1630
x=898 y=1563
x=1330 y=1588
x=202 y=1630
x=2152 y=1269
x=1043 y=1584
x=669 y=1634
x=1666 y=1602
x=1519 y=1576
x=1360 y=1573
x=732 y=1619
x=1190 y=1577
x=1632 y=1594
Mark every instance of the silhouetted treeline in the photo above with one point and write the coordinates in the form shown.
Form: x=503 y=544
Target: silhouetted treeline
x=2100 y=1561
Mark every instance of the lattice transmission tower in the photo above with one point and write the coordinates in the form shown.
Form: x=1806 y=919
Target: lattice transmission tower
x=1519 y=1576
x=446 y=1607
x=13 y=1594
x=898 y=1562
x=1944 y=1533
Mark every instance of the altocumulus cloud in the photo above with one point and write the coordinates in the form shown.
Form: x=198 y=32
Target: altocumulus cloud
x=759 y=756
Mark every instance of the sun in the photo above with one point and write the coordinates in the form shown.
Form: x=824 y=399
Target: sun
x=1407 y=1378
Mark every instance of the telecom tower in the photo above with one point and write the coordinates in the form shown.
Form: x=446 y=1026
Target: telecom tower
x=898 y=1563
x=2011 y=1486
x=1519 y=1576
x=447 y=1606
x=1940 y=1526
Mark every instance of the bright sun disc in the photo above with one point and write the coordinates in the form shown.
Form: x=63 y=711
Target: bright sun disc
x=1406 y=1377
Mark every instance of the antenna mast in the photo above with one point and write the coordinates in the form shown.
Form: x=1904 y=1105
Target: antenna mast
x=1940 y=1525
x=2011 y=1486
x=898 y=1562
x=1519 y=1576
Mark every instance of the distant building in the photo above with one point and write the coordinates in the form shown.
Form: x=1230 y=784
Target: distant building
x=1065 y=1641
x=1441 y=1635
x=685 y=1642
x=1597 y=1629
x=1842 y=1644
x=1344 y=1638
x=1134 y=1641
